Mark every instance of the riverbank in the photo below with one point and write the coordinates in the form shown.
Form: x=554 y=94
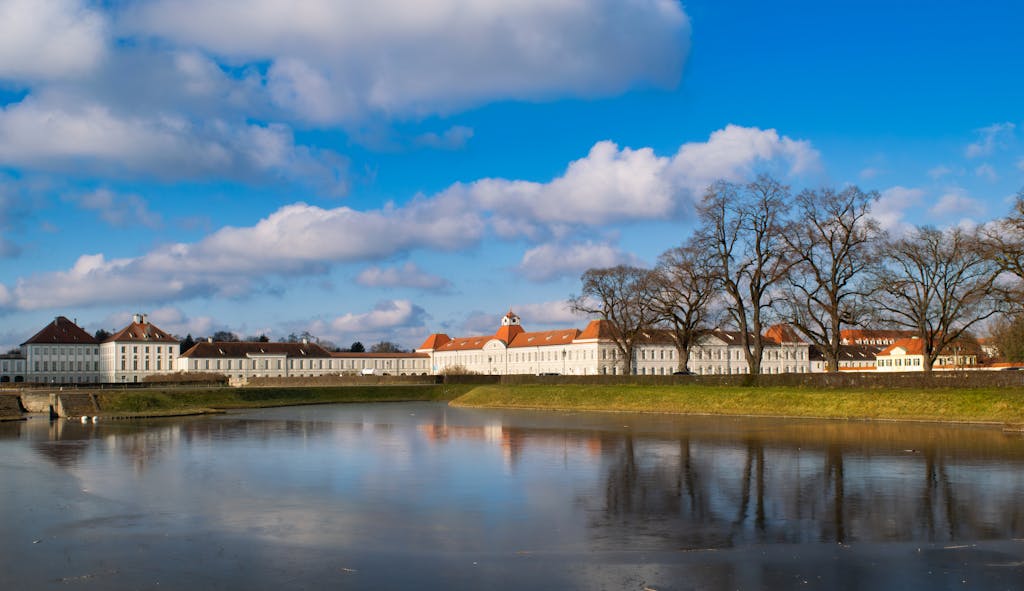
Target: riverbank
x=152 y=402
x=1003 y=406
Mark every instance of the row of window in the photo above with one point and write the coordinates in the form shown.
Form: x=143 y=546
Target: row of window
x=300 y=364
x=64 y=351
x=66 y=366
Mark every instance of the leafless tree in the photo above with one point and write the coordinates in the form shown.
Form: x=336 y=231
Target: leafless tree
x=1003 y=242
x=620 y=295
x=833 y=242
x=742 y=228
x=683 y=285
x=937 y=283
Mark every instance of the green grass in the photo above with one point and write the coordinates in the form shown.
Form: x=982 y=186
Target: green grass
x=996 y=405
x=163 y=401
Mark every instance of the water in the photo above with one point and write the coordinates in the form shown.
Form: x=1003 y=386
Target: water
x=421 y=496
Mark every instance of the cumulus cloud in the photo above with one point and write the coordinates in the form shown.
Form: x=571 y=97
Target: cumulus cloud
x=338 y=61
x=609 y=186
x=50 y=39
x=296 y=239
x=386 y=315
x=956 y=203
x=613 y=184
x=553 y=260
x=408 y=275
x=990 y=139
x=892 y=206
x=118 y=210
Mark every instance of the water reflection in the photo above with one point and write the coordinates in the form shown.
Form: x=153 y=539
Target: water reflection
x=433 y=485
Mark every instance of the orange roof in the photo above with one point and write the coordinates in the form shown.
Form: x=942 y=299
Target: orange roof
x=465 y=344
x=548 y=337
x=597 y=329
x=782 y=333
x=912 y=346
x=507 y=333
x=435 y=341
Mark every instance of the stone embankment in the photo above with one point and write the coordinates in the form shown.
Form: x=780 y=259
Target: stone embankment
x=10 y=408
x=73 y=406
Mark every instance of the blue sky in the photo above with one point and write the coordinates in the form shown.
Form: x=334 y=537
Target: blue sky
x=384 y=170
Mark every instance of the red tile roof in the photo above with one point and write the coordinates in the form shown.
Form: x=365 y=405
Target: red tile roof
x=435 y=340
x=912 y=346
x=234 y=350
x=548 y=337
x=465 y=343
x=141 y=331
x=597 y=329
x=61 y=331
x=507 y=333
x=782 y=333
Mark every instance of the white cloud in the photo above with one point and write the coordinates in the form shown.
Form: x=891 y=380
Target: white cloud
x=296 y=239
x=117 y=209
x=940 y=171
x=408 y=275
x=957 y=204
x=986 y=171
x=870 y=173
x=338 y=61
x=91 y=138
x=892 y=206
x=50 y=39
x=386 y=315
x=613 y=184
x=554 y=313
x=733 y=153
x=1020 y=164
x=553 y=260
x=990 y=139
x=453 y=138
x=609 y=186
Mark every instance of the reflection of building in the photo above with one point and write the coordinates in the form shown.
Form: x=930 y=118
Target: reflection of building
x=592 y=351
x=136 y=351
x=62 y=353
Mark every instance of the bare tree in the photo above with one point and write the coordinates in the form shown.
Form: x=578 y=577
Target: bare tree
x=683 y=288
x=937 y=283
x=833 y=242
x=742 y=228
x=1003 y=242
x=621 y=296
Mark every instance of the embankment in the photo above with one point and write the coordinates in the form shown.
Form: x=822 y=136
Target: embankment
x=152 y=402
x=1003 y=405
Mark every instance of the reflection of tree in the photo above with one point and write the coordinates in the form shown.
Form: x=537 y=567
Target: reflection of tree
x=701 y=494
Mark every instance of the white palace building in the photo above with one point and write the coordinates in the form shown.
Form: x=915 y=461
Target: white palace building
x=63 y=353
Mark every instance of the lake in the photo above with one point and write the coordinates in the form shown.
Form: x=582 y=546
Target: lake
x=422 y=496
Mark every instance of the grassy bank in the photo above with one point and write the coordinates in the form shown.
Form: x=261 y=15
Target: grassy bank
x=987 y=405
x=167 y=401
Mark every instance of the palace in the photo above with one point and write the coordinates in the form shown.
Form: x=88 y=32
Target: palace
x=63 y=353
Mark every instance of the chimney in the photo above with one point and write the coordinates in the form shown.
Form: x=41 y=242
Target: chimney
x=137 y=318
x=209 y=339
x=305 y=341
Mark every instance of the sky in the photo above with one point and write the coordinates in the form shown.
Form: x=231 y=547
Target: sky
x=381 y=171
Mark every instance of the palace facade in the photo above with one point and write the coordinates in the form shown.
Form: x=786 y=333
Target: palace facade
x=63 y=353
